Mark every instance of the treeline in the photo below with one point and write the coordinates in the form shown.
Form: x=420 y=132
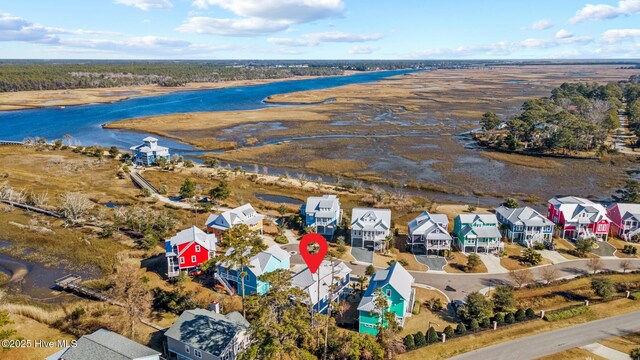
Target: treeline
x=55 y=76
x=577 y=117
x=632 y=94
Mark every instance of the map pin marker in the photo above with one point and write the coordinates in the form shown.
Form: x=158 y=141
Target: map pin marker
x=313 y=260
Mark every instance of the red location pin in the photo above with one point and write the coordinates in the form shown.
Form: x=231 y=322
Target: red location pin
x=313 y=260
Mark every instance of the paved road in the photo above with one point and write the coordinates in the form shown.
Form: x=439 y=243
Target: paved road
x=551 y=342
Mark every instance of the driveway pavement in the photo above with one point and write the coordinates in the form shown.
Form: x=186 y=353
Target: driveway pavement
x=553 y=256
x=603 y=248
x=552 y=342
x=362 y=255
x=492 y=262
x=434 y=262
x=605 y=352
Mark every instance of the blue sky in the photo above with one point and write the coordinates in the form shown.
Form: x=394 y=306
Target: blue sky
x=319 y=29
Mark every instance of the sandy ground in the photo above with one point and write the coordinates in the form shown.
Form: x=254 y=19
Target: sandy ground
x=45 y=98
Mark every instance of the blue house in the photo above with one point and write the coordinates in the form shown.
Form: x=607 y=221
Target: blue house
x=272 y=259
x=149 y=151
x=525 y=225
x=338 y=274
x=323 y=214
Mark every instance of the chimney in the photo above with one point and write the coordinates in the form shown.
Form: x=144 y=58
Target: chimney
x=215 y=307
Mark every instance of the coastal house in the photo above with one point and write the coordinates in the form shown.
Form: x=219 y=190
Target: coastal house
x=477 y=232
x=323 y=214
x=429 y=232
x=395 y=285
x=525 y=225
x=105 y=344
x=208 y=335
x=625 y=220
x=579 y=218
x=245 y=214
x=149 y=151
x=370 y=227
x=317 y=286
x=188 y=249
x=271 y=259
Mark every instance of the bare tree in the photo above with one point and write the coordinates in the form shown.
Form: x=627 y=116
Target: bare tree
x=256 y=168
x=39 y=199
x=132 y=293
x=265 y=170
x=549 y=274
x=302 y=178
x=521 y=277
x=595 y=265
x=626 y=265
x=74 y=205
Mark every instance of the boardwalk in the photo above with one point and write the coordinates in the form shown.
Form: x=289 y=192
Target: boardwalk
x=141 y=182
x=9 y=142
x=32 y=208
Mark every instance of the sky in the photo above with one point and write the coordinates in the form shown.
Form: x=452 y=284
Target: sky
x=319 y=29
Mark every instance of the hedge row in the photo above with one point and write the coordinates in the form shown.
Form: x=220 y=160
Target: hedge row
x=566 y=314
x=635 y=295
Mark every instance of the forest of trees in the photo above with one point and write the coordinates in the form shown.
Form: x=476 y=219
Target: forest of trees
x=577 y=117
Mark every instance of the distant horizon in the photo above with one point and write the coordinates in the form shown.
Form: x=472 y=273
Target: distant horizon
x=320 y=29
x=599 y=60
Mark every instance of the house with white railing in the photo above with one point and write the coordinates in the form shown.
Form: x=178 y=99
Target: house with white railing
x=188 y=249
x=370 y=227
x=525 y=225
x=579 y=218
x=625 y=220
x=429 y=233
x=323 y=214
x=477 y=233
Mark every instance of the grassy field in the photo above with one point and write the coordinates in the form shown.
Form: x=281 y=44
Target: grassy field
x=511 y=260
x=624 y=343
x=575 y=354
x=619 y=244
x=522 y=160
x=457 y=261
x=420 y=322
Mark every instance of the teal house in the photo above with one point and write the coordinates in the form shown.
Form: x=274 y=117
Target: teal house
x=395 y=283
x=477 y=233
x=272 y=259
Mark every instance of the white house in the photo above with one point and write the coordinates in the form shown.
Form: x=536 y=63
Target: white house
x=370 y=227
x=318 y=293
x=323 y=213
x=429 y=232
x=146 y=153
x=244 y=214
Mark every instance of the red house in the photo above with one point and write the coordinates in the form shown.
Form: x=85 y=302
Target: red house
x=579 y=218
x=189 y=249
x=625 y=220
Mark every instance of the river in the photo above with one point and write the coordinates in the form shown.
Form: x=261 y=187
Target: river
x=84 y=122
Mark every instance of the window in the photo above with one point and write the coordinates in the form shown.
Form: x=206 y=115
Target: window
x=181 y=259
x=197 y=353
x=197 y=248
x=388 y=292
x=193 y=258
x=187 y=349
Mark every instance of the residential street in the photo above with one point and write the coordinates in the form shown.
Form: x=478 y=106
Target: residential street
x=548 y=343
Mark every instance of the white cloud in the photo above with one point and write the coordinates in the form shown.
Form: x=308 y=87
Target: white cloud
x=260 y=16
x=231 y=27
x=542 y=24
x=604 y=11
x=616 y=35
x=314 y=39
x=537 y=43
x=146 y=4
x=362 y=50
x=563 y=34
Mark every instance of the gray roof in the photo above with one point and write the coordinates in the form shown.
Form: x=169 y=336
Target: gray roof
x=258 y=262
x=481 y=231
x=371 y=219
x=629 y=211
x=395 y=276
x=471 y=218
x=106 y=345
x=193 y=234
x=244 y=214
x=207 y=331
x=322 y=206
x=523 y=215
x=432 y=226
x=308 y=282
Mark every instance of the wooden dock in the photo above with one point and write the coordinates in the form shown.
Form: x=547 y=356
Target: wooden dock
x=141 y=182
x=72 y=282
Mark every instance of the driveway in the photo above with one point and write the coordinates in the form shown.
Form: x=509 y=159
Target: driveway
x=492 y=262
x=363 y=255
x=603 y=248
x=533 y=347
x=553 y=256
x=434 y=262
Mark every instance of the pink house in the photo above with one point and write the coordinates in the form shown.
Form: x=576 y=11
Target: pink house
x=579 y=218
x=625 y=220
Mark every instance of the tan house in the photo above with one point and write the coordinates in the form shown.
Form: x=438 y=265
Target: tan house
x=245 y=214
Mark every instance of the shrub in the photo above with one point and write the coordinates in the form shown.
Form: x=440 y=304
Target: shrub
x=370 y=270
x=509 y=319
x=635 y=296
x=461 y=329
x=531 y=256
x=473 y=325
x=448 y=331
x=409 y=344
x=472 y=262
x=602 y=287
x=566 y=314
x=539 y=246
x=520 y=315
x=416 y=308
x=530 y=313
x=432 y=336
x=403 y=262
x=635 y=354
x=499 y=318
x=630 y=250
x=486 y=323
x=419 y=339
x=281 y=239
